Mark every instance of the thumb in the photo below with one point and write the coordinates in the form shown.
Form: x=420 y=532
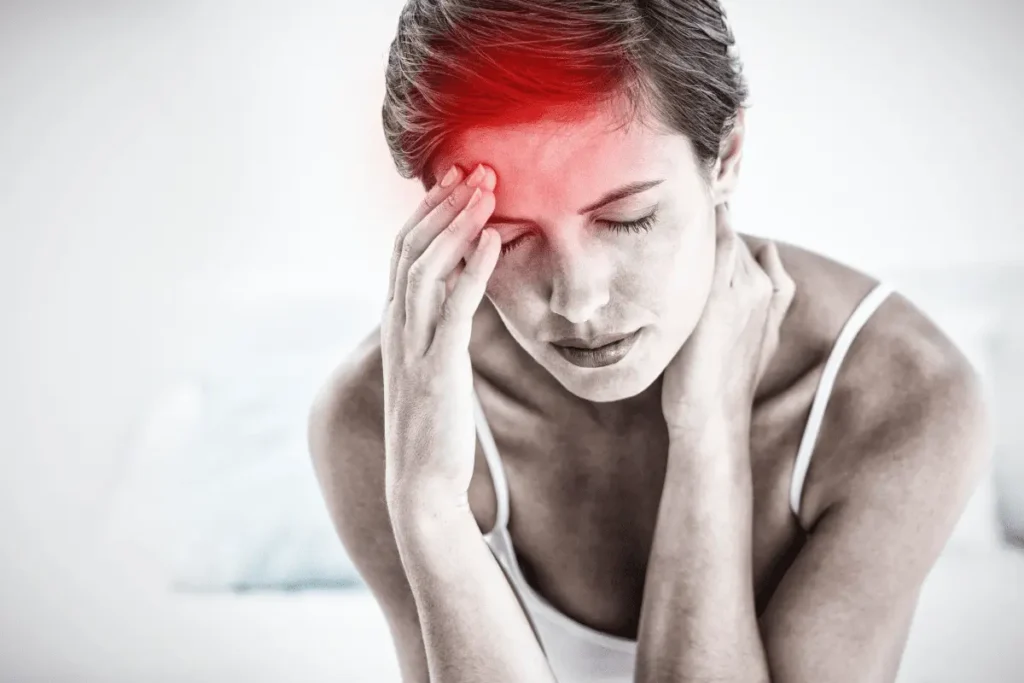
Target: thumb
x=783 y=286
x=783 y=290
x=727 y=249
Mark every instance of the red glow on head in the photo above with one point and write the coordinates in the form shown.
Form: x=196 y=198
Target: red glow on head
x=520 y=73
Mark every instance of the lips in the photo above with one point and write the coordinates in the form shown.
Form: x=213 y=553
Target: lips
x=600 y=356
x=593 y=343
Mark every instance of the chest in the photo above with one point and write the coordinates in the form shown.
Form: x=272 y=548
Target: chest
x=583 y=504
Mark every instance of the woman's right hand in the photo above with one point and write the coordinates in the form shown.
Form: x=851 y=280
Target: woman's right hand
x=429 y=429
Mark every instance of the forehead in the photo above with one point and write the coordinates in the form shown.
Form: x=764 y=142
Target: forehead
x=592 y=152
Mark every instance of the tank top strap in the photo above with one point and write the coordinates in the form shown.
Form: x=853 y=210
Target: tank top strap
x=494 y=465
x=868 y=305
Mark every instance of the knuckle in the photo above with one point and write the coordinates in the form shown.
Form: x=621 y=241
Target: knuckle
x=430 y=200
x=408 y=248
x=455 y=226
x=415 y=276
x=447 y=313
x=452 y=200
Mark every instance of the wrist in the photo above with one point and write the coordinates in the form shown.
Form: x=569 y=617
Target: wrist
x=702 y=433
x=700 y=422
x=721 y=439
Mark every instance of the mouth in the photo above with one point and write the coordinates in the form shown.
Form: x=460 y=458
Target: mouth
x=592 y=344
x=606 y=349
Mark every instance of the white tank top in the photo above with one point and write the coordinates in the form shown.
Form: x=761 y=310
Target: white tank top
x=578 y=653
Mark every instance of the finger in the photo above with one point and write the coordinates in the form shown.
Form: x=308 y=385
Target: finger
x=726 y=248
x=770 y=328
x=455 y=321
x=782 y=284
x=723 y=222
x=437 y=194
x=783 y=289
x=453 y=277
x=441 y=203
x=744 y=261
x=427 y=281
x=417 y=238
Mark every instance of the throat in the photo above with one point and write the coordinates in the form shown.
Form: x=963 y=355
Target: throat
x=626 y=414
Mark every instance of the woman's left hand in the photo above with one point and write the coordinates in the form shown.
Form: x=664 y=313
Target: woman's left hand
x=717 y=370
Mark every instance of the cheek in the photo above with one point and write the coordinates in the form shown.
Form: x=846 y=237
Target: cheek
x=694 y=272
x=677 y=271
x=506 y=292
x=503 y=283
x=694 y=254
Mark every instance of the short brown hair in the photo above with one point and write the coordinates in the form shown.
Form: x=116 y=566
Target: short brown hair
x=454 y=64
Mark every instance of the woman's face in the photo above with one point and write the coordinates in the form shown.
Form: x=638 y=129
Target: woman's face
x=568 y=269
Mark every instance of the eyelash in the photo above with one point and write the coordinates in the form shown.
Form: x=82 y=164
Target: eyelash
x=641 y=225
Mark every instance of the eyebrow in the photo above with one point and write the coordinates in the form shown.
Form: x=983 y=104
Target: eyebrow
x=609 y=197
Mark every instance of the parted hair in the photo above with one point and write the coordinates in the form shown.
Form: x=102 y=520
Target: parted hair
x=455 y=64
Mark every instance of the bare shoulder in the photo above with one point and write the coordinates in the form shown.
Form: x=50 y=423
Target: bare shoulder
x=906 y=422
x=913 y=402
x=346 y=444
x=346 y=418
x=345 y=433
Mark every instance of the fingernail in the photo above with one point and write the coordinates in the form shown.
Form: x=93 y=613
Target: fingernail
x=474 y=199
x=477 y=176
x=491 y=180
x=450 y=176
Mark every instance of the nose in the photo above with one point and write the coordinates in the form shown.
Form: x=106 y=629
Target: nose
x=580 y=282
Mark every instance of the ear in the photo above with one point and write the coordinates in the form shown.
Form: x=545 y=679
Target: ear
x=726 y=173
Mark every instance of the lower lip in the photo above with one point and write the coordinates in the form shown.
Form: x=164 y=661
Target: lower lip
x=601 y=356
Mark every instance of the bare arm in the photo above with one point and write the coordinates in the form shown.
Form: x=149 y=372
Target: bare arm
x=473 y=624
x=347 y=453
x=843 y=609
x=698 y=621
x=453 y=616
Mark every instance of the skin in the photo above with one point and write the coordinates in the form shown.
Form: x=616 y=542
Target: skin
x=586 y=452
x=570 y=275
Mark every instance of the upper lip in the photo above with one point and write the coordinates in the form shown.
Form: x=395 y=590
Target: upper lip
x=593 y=342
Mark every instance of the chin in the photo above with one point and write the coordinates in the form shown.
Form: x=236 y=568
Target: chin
x=629 y=377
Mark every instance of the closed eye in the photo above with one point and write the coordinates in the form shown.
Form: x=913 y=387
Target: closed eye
x=640 y=225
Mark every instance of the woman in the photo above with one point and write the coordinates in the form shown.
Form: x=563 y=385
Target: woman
x=658 y=492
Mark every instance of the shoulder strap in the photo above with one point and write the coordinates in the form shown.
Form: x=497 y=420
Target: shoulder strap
x=868 y=305
x=493 y=464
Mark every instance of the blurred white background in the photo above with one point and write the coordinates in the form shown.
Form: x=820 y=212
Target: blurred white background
x=161 y=160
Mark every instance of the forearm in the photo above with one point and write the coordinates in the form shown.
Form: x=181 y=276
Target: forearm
x=699 y=621
x=473 y=626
